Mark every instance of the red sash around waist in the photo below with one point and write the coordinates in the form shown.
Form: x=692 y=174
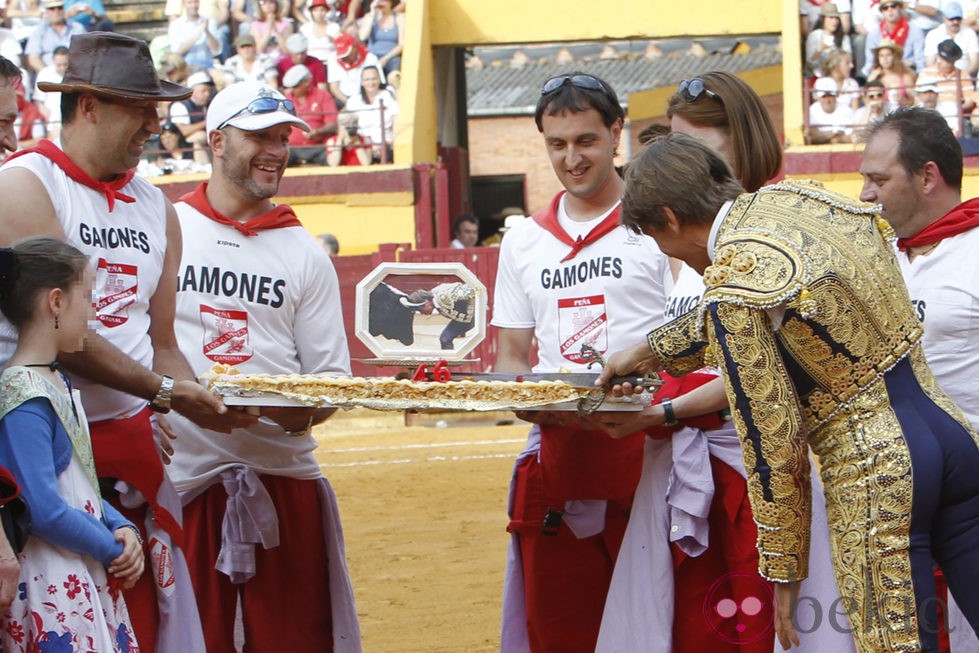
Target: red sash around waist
x=126 y=449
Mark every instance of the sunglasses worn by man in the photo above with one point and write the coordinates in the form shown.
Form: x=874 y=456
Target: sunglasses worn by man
x=263 y=105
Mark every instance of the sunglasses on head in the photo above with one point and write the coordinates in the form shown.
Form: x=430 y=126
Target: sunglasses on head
x=263 y=105
x=581 y=80
x=691 y=90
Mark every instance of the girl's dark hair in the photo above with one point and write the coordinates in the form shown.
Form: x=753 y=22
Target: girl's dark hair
x=34 y=266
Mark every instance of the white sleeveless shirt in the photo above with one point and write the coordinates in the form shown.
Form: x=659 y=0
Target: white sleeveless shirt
x=126 y=249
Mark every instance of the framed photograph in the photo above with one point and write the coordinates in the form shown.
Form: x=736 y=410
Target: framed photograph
x=421 y=311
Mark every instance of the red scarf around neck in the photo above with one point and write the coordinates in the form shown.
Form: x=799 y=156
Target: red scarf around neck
x=111 y=189
x=279 y=216
x=963 y=217
x=900 y=32
x=547 y=219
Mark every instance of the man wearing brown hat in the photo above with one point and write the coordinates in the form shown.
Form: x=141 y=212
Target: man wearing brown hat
x=83 y=189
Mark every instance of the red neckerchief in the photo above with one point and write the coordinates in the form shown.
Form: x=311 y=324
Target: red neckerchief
x=900 y=33
x=361 y=55
x=108 y=188
x=279 y=216
x=547 y=219
x=963 y=217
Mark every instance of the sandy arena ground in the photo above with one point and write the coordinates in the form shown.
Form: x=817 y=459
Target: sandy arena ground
x=424 y=514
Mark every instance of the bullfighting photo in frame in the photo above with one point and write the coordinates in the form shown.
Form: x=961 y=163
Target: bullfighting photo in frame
x=421 y=311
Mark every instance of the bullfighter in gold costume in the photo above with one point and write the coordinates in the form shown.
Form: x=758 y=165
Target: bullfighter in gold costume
x=807 y=314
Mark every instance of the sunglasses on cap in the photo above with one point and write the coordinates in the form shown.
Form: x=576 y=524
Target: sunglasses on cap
x=263 y=105
x=691 y=90
x=581 y=80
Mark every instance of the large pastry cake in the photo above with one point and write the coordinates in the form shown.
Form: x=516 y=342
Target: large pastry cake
x=391 y=394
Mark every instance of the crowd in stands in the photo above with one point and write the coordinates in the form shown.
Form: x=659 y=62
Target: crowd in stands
x=863 y=58
x=338 y=61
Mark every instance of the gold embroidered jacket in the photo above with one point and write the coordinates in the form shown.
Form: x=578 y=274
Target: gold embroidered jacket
x=805 y=309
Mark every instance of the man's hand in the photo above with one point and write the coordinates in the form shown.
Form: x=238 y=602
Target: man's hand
x=637 y=359
x=786 y=595
x=621 y=423
x=128 y=567
x=164 y=434
x=206 y=410
x=9 y=573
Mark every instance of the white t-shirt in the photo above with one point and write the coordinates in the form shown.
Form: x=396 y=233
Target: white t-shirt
x=321 y=47
x=266 y=304
x=369 y=115
x=609 y=296
x=841 y=120
x=126 y=249
x=944 y=288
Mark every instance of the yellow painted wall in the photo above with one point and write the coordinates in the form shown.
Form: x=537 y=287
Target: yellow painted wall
x=359 y=229
x=484 y=22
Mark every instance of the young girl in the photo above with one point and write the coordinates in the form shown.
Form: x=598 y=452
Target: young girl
x=66 y=601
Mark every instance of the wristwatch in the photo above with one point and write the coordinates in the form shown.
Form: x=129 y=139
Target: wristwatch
x=668 y=412
x=161 y=403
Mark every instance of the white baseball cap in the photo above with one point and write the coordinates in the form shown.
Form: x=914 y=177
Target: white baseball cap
x=251 y=106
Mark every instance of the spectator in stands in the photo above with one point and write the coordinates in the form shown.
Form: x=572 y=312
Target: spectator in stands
x=194 y=37
x=218 y=15
x=889 y=67
x=271 y=29
x=964 y=37
x=167 y=149
x=829 y=120
x=875 y=106
x=29 y=125
x=24 y=17
x=368 y=105
x=383 y=30
x=49 y=102
x=345 y=68
x=247 y=65
x=810 y=12
x=926 y=94
x=317 y=108
x=824 y=39
x=348 y=147
x=321 y=30
x=174 y=68
x=465 y=230
x=955 y=88
x=189 y=115
x=53 y=31
x=895 y=28
x=297 y=47
x=330 y=244
x=90 y=14
x=839 y=66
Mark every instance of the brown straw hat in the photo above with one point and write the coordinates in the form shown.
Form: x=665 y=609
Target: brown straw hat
x=116 y=66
